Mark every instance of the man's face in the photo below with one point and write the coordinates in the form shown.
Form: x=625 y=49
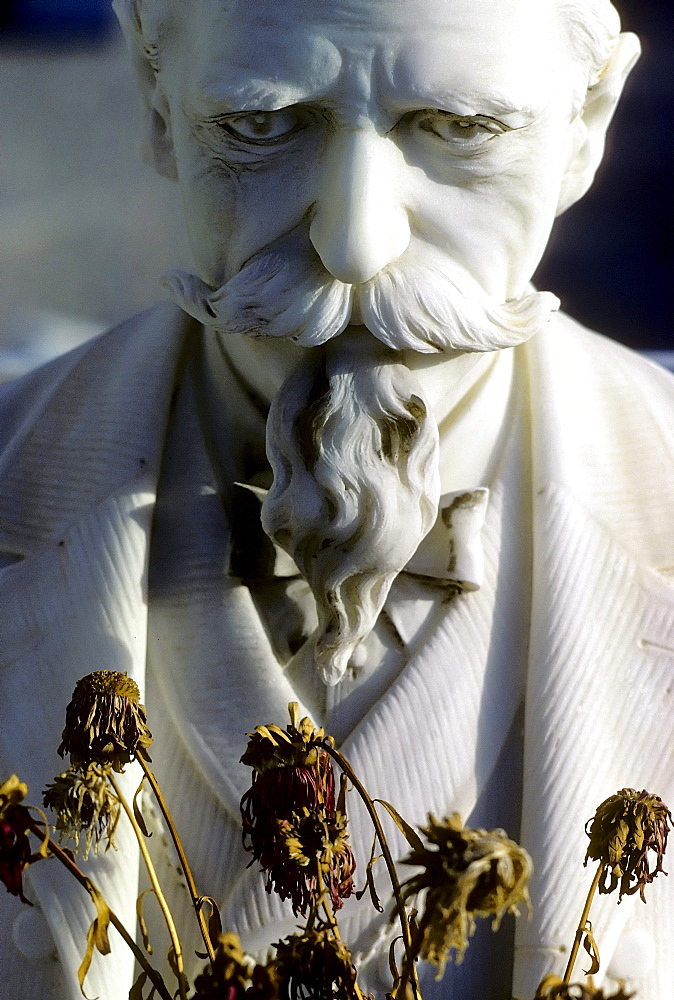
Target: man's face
x=389 y=127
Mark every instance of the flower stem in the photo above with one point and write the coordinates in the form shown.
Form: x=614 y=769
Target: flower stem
x=386 y=853
x=189 y=878
x=582 y=924
x=161 y=899
x=152 y=974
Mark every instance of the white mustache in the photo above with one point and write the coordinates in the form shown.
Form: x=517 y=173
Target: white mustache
x=423 y=301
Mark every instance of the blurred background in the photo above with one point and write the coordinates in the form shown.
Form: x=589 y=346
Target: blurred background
x=86 y=229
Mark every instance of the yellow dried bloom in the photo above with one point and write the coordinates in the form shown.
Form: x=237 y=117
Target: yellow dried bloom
x=105 y=722
x=552 y=988
x=315 y=964
x=466 y=874
x=85 y=807
x=12 y=792
x=625 y=827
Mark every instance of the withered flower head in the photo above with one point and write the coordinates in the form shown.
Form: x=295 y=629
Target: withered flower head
x=299 y=744
x=85 y=807
x=625 y=827
x=312 y=843
x=15 y=852
x=466 y=874
x=552 y=988
x=105 y=722
x=229 y=976
x=291 y=772
x=315 y=965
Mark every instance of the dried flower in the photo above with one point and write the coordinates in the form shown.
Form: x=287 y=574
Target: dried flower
x=466 y=873
x=624 y=828
x=105 y=722
x=15 y=852
x=553 y=988
x=233 y=975
x=315 y=965
x=292 y=772
x=312 y=848
x=229 y=976
x=85 y=806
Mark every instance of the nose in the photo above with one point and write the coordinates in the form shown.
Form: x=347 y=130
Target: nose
x=360 y=225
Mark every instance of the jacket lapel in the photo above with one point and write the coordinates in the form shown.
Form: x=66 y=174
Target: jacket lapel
x=599 y=692
x=74 y=599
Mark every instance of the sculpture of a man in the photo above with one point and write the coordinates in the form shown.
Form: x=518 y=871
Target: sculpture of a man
x=365 y=465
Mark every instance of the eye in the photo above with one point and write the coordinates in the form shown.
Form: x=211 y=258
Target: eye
x=263 y=127
x=463 y=133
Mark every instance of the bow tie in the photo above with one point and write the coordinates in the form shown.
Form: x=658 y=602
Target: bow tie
x=451 y=553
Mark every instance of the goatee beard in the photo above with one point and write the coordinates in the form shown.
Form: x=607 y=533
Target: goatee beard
x=354 y=452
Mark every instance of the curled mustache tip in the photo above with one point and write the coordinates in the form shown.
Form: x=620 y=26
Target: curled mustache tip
x=190 y=293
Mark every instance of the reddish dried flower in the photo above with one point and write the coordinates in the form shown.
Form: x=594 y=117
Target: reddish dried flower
x=292 y=773
x=228 y=977
x=625 y=827
x=315 y=965
x=233 y=975
x=15 y=851
x=314 y=843
x=105 y=722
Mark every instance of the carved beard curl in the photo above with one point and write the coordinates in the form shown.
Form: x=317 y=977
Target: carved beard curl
x=422 y=302
x=354 y=451
x=351 y=441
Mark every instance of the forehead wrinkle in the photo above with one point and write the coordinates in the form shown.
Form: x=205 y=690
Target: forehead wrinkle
x=252 y=75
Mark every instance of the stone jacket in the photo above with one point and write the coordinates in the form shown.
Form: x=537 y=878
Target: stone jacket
x=81 y=443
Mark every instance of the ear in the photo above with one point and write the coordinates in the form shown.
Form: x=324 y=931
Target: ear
x=589 y=128
x=157 y=145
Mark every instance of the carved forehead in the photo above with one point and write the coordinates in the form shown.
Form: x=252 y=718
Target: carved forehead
x=246 y=49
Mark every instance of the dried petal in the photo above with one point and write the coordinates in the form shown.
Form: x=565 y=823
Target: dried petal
x=312 y=843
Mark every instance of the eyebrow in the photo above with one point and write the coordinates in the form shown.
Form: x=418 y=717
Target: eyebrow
x=470 y=103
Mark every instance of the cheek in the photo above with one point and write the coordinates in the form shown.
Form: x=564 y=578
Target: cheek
x=234 y=209
x=492 y=215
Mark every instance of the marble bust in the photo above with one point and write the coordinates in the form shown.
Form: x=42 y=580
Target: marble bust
x=360 y=462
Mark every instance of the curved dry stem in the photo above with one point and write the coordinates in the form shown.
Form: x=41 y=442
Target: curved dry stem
x=386 y=853
x=65 y=859
x=582 y=923
x=197 y=901
x=161 y=899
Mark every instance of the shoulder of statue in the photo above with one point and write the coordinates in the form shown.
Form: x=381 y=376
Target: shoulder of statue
x=606 y=365
x=138 y=356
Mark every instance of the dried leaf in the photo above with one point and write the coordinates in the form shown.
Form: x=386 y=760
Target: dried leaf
x=97 y=936
x=136 y=991
x=393 y=967
x=136 y=810
x=142 y=926
x=369 y=884
x=214 y=921
x=43 y=849
x=180 y=976
x=590 y=946
x=410 y=835
x=341 y=801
